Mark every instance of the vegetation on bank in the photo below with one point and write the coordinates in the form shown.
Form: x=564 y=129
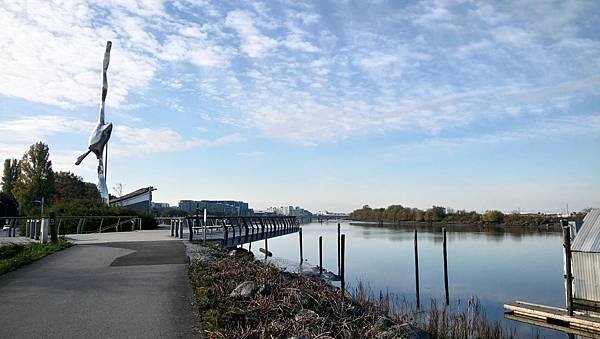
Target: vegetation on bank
x=17 y=255
x=25 y=182
x=399 y=213
x=279 y=304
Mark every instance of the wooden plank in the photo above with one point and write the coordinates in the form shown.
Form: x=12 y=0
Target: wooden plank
x=554 y=314
x=544 y=324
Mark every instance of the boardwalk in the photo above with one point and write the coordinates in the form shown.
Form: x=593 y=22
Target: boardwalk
x=117 y=289
x=234 y=230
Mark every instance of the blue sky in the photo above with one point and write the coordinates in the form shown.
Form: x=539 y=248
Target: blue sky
x=325 y=104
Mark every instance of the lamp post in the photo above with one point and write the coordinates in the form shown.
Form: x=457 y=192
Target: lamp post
x=41 y=202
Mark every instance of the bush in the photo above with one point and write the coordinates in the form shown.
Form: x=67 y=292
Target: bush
x=95 y=208
x=493 y=216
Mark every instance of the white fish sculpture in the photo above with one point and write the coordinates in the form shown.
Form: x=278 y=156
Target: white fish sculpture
x=101 y=133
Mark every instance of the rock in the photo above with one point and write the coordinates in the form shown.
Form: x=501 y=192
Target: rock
x=306 y=315
x=236 y=252
x=383 y=322
x=265 y=290
x=244 y=290
x=406 y=331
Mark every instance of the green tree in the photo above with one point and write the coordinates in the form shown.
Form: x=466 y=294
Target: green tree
x=9 y=176
x=71 y=187
x=36 y=178
x=8 y=205
x=493 y=216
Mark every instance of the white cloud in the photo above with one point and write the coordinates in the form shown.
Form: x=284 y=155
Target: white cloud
x=252 y=41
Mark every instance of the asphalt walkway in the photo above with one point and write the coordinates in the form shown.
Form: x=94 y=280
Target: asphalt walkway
x=109 y=290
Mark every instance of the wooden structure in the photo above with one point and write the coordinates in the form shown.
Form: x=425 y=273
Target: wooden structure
x=554 y=318
x=582 y=284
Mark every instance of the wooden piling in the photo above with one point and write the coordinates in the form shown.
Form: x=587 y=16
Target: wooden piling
x=266 y=248
x=446 y=268
x=342 y=263
x=300 y=237
x=568 y=271
x=338 y=247
x=417 y=270
x=320 y=254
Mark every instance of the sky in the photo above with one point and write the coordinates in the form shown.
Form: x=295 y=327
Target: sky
x=328 y=105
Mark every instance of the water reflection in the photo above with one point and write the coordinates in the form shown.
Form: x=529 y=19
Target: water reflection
x=491 y=264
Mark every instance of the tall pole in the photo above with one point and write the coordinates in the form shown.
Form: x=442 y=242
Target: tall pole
x=568 y=271
x=338 y=247
x=320 y=254
x=342 y=263
x=446 y=268
x=417 y=270
x=301 y=255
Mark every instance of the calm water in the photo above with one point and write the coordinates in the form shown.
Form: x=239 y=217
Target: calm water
x=495 y=267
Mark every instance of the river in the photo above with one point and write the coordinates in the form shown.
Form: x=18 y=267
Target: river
x=495 y=266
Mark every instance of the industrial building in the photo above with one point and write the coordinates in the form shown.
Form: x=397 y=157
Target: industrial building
x=217 y=207
x=139 y=200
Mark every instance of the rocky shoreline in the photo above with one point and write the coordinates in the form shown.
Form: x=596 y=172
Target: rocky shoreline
x=240 y=297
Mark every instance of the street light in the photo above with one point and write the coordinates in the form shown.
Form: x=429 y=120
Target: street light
x=41 y=202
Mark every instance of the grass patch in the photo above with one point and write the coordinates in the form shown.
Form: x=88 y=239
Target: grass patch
x=17 y=255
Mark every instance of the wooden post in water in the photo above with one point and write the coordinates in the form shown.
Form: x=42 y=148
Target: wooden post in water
x=342 y=263
x=417 y=270
x=266 y=248
x=446 y=268
x=320 y=254
x=568 y=272
x=300 y=236
x=338 y=247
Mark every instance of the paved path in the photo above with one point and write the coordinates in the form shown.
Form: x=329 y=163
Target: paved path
x=14 y=240
x=161 y=234
x=112 y=290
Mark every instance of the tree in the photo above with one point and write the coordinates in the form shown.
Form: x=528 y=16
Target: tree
x=70 y=187
x=493 y=216
x=435 y=213
x=36 y=178
x=9 y=176
x=8 y=205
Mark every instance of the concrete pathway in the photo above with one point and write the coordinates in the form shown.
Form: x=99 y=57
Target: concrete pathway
x=15 y=240
x=110 y=290
x=161 y=234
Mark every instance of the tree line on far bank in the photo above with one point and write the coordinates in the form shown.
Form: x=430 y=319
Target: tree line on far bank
x=399 y=213
x=26 y=181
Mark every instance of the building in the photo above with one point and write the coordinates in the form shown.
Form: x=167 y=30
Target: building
x=188 y=205
x=139 y=200
x=217 y=207
x=160 y=205
x=303 y=215
x=585 y=263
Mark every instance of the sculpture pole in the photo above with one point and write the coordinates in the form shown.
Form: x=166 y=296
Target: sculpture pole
x=101 y=133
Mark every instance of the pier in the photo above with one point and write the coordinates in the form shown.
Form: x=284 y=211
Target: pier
x=232 y=230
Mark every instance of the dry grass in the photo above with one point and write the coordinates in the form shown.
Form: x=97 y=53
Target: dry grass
x=273 y=315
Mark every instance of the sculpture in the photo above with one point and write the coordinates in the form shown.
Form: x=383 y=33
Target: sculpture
x=101 y=133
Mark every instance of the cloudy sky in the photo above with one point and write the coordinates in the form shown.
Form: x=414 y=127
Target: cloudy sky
x=325 y=104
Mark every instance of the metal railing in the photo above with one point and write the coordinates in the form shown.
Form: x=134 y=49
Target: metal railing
x=30 y=226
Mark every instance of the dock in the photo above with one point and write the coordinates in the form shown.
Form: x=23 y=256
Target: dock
x=555 y=318
x=233 y=230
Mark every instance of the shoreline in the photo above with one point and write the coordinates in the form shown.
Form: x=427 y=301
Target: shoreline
x=238 y=295
x=553 y=227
